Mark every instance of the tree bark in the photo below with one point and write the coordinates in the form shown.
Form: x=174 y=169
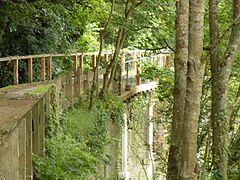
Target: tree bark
x=180 y=65
x=95 y=72
x=195 y=72
x=220 y=110
x=130 y=5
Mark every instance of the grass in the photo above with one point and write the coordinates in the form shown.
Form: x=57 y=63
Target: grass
x=38 y=91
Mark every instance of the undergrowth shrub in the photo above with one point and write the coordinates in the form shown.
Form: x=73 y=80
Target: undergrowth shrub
x=76 y=150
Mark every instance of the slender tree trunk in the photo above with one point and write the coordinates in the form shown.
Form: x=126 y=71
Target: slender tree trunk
x=180 y=64
x=195 y=72
x=110 y=68
x=95 y=72
x=124 y=33
x=130 y=5
x=119 y=43
x=220 y=110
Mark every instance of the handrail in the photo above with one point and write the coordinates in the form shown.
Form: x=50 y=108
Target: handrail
x=46 y=62
x=9 y=58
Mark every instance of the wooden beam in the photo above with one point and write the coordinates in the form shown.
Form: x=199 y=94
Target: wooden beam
x=43 y=69
x=30 y=70
x=94 y=63
x=75 y=64
x=138 y=78
x=81 y=64
x=49 y=68
x=168 y=62
x=15 y=72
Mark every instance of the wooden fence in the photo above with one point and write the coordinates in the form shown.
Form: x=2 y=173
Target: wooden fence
x=25 y=135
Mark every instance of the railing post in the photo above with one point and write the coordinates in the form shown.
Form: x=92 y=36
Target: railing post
x=43 y=69
x=49 y=68
x=138 y=78
x=77 y=84
x=81 y=64
x=127 y=86
x=139 y=54
x=75 y=63
x=15 y=72
x=168 y=62
x=94 y=61
x=110 y=56
x=30 y=70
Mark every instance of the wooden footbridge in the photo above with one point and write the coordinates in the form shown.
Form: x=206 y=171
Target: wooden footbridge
x=26 y=108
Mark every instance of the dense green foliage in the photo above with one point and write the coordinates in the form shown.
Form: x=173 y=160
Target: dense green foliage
x=64 y=26
x=42 y=26
x=75 y=149
x=164 y=93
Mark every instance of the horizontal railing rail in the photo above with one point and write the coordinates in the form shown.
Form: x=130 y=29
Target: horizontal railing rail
x=46 y=62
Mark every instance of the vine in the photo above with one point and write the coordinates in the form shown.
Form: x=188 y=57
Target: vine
x=75 y=143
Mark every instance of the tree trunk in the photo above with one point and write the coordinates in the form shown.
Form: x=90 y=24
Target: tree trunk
x=180 y=62
x=111 y=67
x=95 y=72
x=220 y=111
x=130 y=5
x=195 y=72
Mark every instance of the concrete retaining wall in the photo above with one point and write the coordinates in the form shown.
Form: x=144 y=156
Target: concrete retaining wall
x=26 y=136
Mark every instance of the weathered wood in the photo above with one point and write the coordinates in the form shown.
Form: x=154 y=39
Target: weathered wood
x=81 y=64
x=43 y=69
x=75 y=66
x=137 y=89
x=77 y=85
x=15 y=72
x=139 y=54
x=49 y=68
x=168 y=62
x=94 y=62
x=138 y=78
x=30 y=70
x=10 y=58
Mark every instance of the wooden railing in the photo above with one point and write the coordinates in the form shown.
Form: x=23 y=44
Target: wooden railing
x=22 y=135
x=46 y=62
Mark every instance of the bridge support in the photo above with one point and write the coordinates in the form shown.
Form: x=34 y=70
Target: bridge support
x=124 y=174
x=150 y=169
